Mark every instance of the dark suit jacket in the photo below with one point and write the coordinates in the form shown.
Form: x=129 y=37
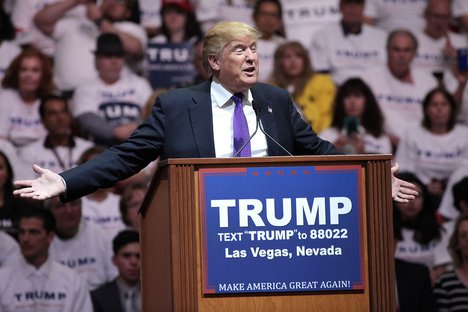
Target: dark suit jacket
x=107 y=298
x=181 y=126
x=414 y=287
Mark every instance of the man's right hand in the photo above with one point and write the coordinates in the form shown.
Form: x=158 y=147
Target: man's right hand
x=49 y=184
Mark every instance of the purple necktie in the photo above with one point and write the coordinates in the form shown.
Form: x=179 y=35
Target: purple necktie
x=240 y=127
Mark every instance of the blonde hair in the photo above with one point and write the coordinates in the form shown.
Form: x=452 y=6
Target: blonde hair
x=221 y=34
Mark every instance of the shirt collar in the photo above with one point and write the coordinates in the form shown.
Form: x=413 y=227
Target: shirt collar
x=124 y=287
x=222 y=96
x=30 y=270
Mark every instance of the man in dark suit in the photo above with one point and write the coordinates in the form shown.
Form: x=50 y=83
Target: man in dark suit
x=213 y=119
x=122 y=294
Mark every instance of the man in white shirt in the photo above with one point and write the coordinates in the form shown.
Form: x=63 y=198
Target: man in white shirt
x=80 y=246
x=36 y=282
x=348 y=47
x=399 y=88
x=60 y=149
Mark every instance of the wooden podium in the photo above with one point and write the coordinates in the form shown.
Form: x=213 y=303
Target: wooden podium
x=171 y=241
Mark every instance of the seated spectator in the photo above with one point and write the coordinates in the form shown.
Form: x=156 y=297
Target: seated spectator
x=391 y=15
x=130 y=203
x=179 y=23
x=399 y=88
x=36 y=282
x=27 y=79
x=451 y=289
x=433 y=149
x=101 y=208
x=60 y=149
x=346 y=48
x=436 y=43
x=75 y=37
x=312 y=92
x=82 y=247
x=268 y=18
x=10 y=251
x=8 y=47
x=357 y=125
x=419 y=236
x=123 y=293
x=108 y=108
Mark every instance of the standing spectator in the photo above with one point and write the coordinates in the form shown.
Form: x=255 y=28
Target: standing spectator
x=312 y=92
x=25 y=283
x=101 y=208
x=179 y=23
x=399 y=88
x=437 y=43
x=357 y=125
x=420 y=239
x=27 y=32
x=130 y=203
x=108 y=108
x=347 y=47
x=8 y=47
x=433 y=149
x=75 y=37
x=27 y=79
x=391 y=15
x=451 y=289
x=60 y=149
x=80 y=246
x=123 y=293
x=268 y=18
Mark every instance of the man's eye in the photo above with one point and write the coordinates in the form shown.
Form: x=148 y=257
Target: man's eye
x=239 y=50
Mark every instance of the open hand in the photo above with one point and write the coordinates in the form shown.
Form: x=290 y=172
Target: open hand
x=402 y=191
x=49 y=184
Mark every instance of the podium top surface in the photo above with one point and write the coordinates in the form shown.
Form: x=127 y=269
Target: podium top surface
x=274 y=159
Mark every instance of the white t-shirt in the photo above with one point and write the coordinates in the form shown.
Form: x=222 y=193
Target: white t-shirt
x=8 y=51
x=401 y=103
x=118 y=104
x=266 y=52
x=447 y=206
x=209 y=12
x=105 y=214
x=20 y=170
x=37 y=153
x=390 y=15
x=459 y=7
x=372 y=144
x=149 y=13
x=9 y=250
x=75 y=40
x=304 y=18
x=19 y=122
x=430 y=255
x=52 y=288
x=430 y=51
x=429 y=155
x=347 y=56
x=89 y=253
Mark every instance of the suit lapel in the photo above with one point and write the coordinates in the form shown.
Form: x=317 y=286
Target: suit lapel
x=201 y=118
x=267 y=118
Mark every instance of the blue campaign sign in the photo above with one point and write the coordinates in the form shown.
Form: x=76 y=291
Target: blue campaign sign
x=170 y=64
x=282 y=229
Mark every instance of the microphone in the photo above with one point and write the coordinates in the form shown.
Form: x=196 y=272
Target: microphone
x=257 y=109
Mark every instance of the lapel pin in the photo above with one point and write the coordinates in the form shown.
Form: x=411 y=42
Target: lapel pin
x=270 y=110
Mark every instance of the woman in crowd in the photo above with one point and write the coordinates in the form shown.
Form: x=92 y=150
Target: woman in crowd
x=419 y=237
x=433 y=149
x=130 y=202
x=312 y=92
x=179 y=23
x=451 y=289
x=26 y=81
x=8 y=48
x=357 y=125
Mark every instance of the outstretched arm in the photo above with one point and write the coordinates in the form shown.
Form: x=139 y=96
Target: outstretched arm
x=402 y=191
x=47 y=185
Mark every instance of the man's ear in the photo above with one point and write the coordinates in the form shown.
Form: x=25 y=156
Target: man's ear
x=214 y=62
